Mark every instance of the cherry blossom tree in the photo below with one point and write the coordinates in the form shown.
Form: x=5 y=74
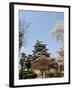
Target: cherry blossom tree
x=57 y=31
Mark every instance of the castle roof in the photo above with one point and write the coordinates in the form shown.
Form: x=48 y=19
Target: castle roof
x=42 y=62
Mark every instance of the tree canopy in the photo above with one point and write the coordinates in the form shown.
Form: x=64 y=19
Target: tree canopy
x=58 y=31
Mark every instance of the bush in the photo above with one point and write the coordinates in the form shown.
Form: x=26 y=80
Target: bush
x=60 y=74
x=61 y=67
x=50 y=74
x=27 y=75
x=30 y=76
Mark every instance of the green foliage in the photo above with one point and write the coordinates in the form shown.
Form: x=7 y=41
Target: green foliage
x=28 y=65
x=50 y=74
x=23 y=59
x=28 y=62
x=25 y=63
x=29 y=57
x=27 y=75
x=22 y=63
x=61 y=67
x=60 y=74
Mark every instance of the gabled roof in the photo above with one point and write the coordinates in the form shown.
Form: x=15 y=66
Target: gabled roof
x=42 y=62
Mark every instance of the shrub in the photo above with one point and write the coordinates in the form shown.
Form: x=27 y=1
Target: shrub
x=60 y=74
x=61 y=67
x=27 y=75
x=30 y=76
x=50 y=74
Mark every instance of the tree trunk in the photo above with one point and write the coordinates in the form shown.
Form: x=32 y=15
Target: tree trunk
x=21 y=71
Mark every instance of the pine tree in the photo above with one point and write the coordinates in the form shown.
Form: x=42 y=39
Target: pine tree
x=28 y=62
x=22 y=64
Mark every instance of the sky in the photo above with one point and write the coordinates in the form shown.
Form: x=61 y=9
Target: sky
x=41 y=23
